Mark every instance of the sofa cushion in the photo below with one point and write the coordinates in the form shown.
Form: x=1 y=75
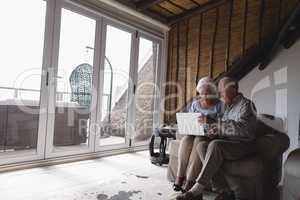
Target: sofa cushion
x=247 y=167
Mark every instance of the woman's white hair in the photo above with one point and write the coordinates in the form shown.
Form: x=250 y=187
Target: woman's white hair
x=204 y=82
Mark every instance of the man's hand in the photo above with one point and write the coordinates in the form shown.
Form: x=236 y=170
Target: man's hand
x=213 y=131
x=202 y=119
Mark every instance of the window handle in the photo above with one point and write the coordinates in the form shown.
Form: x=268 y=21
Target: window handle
x=134 y=89
x=47 y=79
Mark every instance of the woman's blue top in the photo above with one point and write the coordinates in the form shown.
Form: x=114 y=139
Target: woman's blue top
x=213 y=112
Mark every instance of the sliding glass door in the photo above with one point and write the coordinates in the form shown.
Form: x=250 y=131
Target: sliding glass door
x=22 y=109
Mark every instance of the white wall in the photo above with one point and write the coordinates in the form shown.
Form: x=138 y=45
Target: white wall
x=276 y=90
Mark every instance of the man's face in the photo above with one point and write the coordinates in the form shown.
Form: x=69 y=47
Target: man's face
x=227 y=92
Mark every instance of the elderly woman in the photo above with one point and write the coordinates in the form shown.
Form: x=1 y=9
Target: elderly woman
x=189 y=163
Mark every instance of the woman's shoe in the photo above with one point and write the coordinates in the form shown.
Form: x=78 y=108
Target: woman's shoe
x=188 y=196
x=177 y=188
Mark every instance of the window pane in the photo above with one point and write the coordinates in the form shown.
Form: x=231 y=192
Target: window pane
x=116 y=77
x=74 y=80
x=21 y=52
x=148 y=52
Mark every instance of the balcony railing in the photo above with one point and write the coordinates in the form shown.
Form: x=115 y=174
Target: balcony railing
x=60 y=96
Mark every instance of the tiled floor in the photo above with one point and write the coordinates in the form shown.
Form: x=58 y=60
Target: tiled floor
x=122 y=177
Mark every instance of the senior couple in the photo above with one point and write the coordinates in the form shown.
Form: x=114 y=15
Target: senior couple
x=230 y=138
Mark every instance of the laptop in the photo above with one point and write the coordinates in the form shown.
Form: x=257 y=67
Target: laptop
x=188 y=124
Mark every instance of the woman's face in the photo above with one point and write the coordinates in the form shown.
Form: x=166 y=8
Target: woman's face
x=207 y=97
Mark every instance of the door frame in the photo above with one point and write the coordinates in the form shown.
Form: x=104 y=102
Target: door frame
x=157 y=81
x=50 y=151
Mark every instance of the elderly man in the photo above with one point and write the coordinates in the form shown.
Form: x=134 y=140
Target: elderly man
x=231 y=139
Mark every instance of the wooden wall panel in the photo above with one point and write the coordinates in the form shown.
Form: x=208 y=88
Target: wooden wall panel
x=170 y=67
x=237 y=30
x=252 y=29
x=208 y=26
x=170 y=99
x=181 y=73
x=220 y=46
x=269 y=22
x=198 y=48
x=192 y=57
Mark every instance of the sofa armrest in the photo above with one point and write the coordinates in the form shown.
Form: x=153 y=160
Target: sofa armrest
x=272 y=145
x=292 y=177
x=292 y=164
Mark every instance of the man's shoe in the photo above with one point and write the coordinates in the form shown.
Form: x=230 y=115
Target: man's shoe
x=187 y=186
x=188 y=196
x=225 y=196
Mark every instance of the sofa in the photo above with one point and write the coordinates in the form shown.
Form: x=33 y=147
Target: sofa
x=291 y=186
x=255 y=177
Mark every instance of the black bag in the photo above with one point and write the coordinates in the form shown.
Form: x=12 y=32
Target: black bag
x=160 y=158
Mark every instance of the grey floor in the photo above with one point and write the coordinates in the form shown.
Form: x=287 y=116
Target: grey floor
x=121 y=177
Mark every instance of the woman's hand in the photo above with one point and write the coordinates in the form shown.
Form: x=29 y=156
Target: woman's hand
x=202 y=119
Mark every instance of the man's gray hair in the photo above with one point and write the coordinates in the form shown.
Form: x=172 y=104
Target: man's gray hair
x=230 y=82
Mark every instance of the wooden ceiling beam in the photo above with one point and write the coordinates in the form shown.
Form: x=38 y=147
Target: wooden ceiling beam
x=145 y=4
x=282 y=34
x=212 y=4
x=156 y=15
x=176 y=5
x=195 y=2
x=291 y=38
x=166 y=10
x=251 y=59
